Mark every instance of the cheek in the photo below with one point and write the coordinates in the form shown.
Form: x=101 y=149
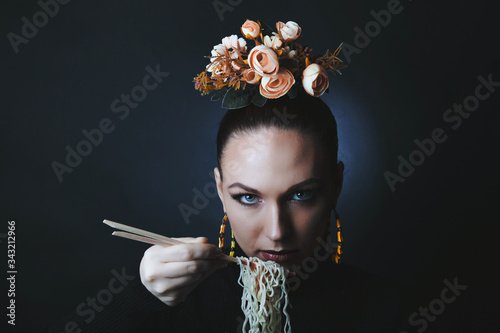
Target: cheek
x=242 y=221
x=309 y=225
x=308 y=222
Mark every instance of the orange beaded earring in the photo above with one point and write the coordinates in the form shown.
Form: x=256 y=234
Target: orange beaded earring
x=221 y=236
x=340 y=239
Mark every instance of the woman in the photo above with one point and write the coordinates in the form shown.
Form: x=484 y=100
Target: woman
x=278 y=180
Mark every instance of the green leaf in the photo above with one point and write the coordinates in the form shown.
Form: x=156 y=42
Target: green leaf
x=235 y=99
x=258 y=99
x=289 y=63
x=265 y=29
x=292 y=92
x=218 y=95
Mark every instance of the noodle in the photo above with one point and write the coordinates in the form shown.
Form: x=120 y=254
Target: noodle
x=264 y=289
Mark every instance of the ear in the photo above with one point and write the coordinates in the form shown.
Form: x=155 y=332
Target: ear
x=338 y=181
x=218 y=182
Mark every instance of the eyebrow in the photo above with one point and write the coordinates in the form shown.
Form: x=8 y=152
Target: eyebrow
x=290 y=189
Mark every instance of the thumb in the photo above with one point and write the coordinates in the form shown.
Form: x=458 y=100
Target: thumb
x=202 y=240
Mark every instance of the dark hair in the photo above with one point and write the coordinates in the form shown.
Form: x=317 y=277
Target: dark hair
x=304 y=113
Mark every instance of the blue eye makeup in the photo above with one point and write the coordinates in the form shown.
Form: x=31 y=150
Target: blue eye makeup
x=249 y=199
x=303 y=195
x=246 y=199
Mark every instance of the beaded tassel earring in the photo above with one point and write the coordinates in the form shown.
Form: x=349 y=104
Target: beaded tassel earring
x=222 y=231
x=340 y=239
x=221 y=236
x=233 y=244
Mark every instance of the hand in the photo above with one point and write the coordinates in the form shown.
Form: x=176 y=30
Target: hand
x=171 y=272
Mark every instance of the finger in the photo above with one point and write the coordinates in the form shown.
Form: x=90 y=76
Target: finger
x=176 y=269
x=186 y=252
x=203 y=240
x=196 y=280
x=184 y=239
x=191 y=239
x=180 y=252
x=166 y=286
x=177 y=284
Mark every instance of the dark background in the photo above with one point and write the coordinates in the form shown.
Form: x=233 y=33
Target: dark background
x=438 y=224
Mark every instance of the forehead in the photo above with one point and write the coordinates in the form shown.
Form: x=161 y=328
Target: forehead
x=271 y=156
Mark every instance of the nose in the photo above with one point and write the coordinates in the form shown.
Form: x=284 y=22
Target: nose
x=277 y=223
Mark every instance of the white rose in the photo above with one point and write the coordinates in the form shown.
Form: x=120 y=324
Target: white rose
x=315 y=80
x=289 y=31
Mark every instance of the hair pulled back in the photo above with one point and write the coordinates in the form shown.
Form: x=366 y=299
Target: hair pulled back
x=304 y=113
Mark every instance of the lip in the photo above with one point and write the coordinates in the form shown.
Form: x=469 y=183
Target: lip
x=278 y=256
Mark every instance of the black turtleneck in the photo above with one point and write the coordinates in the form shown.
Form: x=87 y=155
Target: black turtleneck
x=323 y=297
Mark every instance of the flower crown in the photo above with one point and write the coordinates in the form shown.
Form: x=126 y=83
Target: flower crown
x=270 y=69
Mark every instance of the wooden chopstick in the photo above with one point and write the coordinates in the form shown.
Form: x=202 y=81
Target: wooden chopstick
x=141 y=232
x=156 y=239
x=150 y=237
x=140 y=238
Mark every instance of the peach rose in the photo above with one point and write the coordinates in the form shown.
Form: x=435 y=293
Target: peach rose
x=232 y=46
x=315 y=80
x=273 y=42
x=289 y=31
x=250 y=29
x=277 y=85
x=250 y=76
x=263 y=60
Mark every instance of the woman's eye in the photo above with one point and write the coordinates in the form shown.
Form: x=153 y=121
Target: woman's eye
x=248 y=198
x=245 y=199
x=302 y=195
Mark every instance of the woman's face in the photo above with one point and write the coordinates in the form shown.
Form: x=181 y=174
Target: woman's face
x=278 y=193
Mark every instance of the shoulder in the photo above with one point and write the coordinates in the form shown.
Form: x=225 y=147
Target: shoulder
x=363 y=300
x=350 y=275
x=378 y=298
x=360 y=286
